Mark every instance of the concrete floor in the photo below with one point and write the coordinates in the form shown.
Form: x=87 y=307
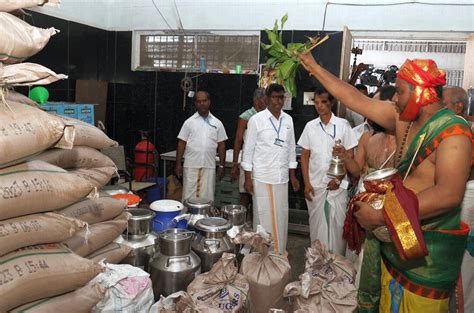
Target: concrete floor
x=296 y=250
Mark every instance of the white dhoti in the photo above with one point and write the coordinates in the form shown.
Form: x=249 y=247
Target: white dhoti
x=241 y=180
x=271 y=211
x=327 y=212
x=199 y=183
x=467 y=267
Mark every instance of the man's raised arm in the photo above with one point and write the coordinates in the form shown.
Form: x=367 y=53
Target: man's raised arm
x=381 y=112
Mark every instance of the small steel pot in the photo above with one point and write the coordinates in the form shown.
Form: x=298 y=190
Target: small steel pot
x=235 y=214
x=175 y=241
x=114 y=190
x=139 y=225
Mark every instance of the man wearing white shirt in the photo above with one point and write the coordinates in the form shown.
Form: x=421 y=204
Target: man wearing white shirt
x=354 y=118
x=200 y=136
x=269 y=159
x=326 y=198
x=361 y=129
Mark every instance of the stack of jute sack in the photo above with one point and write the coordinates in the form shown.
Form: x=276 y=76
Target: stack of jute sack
x=327 y=285
x=19 y=41
x=50 y=214
x=48 y=197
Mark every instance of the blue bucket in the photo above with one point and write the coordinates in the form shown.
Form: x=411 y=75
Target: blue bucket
x=156 y=192
x=165 y=212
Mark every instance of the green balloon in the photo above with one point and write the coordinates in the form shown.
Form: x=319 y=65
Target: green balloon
x=39 y=94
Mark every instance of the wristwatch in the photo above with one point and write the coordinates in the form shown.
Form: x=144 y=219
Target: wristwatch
x=221 y=166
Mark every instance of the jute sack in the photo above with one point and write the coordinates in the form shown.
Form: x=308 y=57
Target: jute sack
x=19 y=40
x=222 y=288
x=35 y=229
x=266 y=273
x=77 y=157
x=98 y=177
x=95 y=210
x=42 y=271
x=11 y=95
x=89 y=135
x=36 y=186
x=81 y=300
x=315 y=294
x=25 y=131
x=179 y=302
x=330 y=266
x=174 y=190
x=98 y=235
x=327 y=285
x=27 y=74
x=11 y=5
x=129 y=289
x=113 y=253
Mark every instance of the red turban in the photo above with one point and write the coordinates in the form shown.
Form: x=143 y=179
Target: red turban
x=424 y=75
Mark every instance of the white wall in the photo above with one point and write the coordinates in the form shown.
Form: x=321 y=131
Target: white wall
x=381 y=59
x=258 y=14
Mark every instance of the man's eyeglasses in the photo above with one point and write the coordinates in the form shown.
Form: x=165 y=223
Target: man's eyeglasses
x=279 y=97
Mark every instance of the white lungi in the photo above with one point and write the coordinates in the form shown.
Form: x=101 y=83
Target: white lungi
x=199 y=183
x=327 y=212
x=271 y=211
x=467 y=267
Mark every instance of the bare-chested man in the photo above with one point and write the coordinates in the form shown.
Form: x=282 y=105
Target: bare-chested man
x=456 y=99
x=376 y=148
x=440 y=145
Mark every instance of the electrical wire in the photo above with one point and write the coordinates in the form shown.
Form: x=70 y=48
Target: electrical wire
x=162 y=16
x=387 y=4
x=179 y=17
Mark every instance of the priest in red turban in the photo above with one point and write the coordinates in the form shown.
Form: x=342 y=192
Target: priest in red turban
x=415 y=265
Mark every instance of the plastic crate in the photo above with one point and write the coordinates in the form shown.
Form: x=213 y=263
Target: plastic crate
x=52 y=108
x=86 y=113
x=69 y=110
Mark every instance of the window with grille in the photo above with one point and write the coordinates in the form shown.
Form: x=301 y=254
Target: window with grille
x=195 y=52
x=411 y=45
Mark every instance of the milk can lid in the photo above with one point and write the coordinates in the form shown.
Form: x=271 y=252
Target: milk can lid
x=381 y=174
x=213 y=224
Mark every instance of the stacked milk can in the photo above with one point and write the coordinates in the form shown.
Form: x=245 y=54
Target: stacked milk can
x=176 y=242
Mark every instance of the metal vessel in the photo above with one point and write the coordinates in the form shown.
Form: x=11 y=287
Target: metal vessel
x=141 y=252
x=212 y=240
x=337 y=168
x=174 y=266
x=236 y=215
x=139 y=224
x=114 y=190
x=377 y=203
x=197 y=208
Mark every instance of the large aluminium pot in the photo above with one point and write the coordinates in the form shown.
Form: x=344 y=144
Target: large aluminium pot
x=174 y=266
x=212 y=241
